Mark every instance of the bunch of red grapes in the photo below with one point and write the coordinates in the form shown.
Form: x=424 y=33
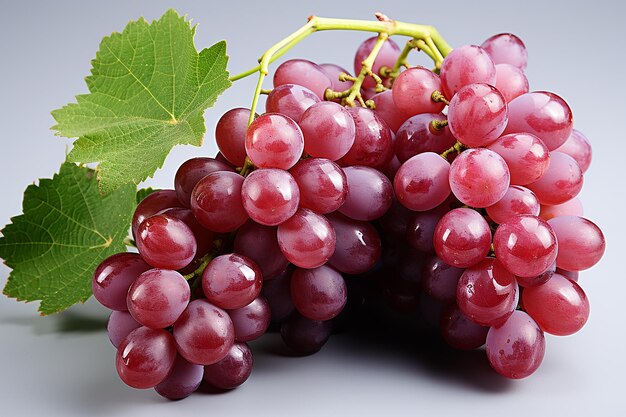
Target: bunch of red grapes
x=451 y=194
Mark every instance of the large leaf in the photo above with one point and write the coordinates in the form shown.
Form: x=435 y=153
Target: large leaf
x=149 y=88
x=66 y=230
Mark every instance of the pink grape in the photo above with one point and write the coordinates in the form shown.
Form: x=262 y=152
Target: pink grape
x=460 y=332
x=543 y=114
x=571 y=207
x=277 y=292
x=413 y=90
x=573 y=276
x=511 y=81
x=578 y=147
x=517 y=200
x=323 y=184
x=388 y=111
x=216 y=202
x=581 y=242
x=466 y=65
x=559 y=306
x=387 y=57
x=328 y=129
x=561 y=182
x=252 y=320
x=516 y=348
x=145 y=357
x=192 y=171
x=230 y=135
x=506 y=48
x=526 y=245
x=305 y=73
x=333 y=71
x=231 y=371
x=204 y=333
x=231 y=281
x=525 y=154
x=418 y=135
x=119 y=325
x=319 y=293
x=152 y=204
x=462 y=238
x=270 y=196
x=260 y=244
x=538 y=279
x=358 y=245
x=114 y=276
x=158 y=297
x=421 y=227
x=307 y=239
x=166 y=242
x=477 y=114
x=291 y=100
x=479 y=177
x=422 y=183
x=204 y=237
x=182 y=381
x=303 y=335
x=373 y=141
x=487 y=293
x=440 y=280
x=370 y=193
x=274 y=141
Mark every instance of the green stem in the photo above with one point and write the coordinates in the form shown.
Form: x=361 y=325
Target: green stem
x=198 y=271
x=129 y=242
x=437 y=46
x=458 y=147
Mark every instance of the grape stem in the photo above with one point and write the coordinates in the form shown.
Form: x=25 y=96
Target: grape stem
x=354 y=92
x=458 y=147
x=198 y=271
x=129 y=242
x=436 y=47
x=438 y=96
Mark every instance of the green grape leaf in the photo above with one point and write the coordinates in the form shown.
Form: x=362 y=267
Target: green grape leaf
x=144 y=192
x=149 y=88
x=66 y=230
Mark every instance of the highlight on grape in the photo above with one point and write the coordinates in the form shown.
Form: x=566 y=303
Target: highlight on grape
x=451 y=192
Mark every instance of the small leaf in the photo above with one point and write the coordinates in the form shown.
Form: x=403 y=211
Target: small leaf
x=66 y=230
x=149 y=88
x=143 y=193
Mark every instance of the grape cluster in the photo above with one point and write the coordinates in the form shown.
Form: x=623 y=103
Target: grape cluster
x=451 y=194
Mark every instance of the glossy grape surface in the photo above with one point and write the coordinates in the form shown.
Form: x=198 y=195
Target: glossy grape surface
x=323 y=184
x=526 y=245
x=462 y=238
x=231 y=281
x=230 y=135
x=204 y=333
x=477 y=114
x=270 y=196
x=516 y=348
x=216 y=202
x=114 y=276
x=145 y=357
x=158 y=297
x=487 y=293
x=274 y=141
x=166 y=242
x=543 y=114
x=581 y=242
x=307 y=239
x=318 y=294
